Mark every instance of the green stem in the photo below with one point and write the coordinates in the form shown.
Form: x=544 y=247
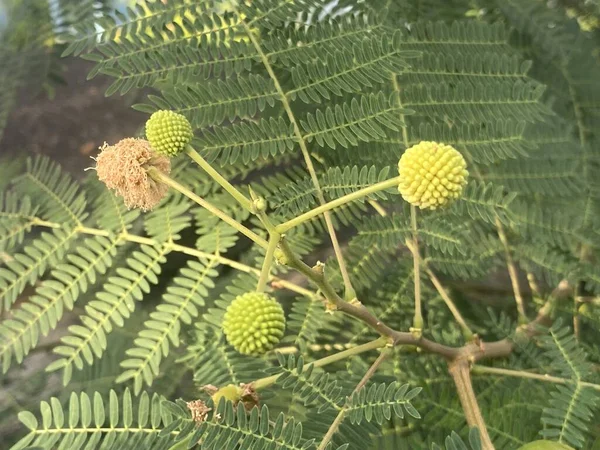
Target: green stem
x=42 y=223
x=382 y=185
x=532 y=376
x=241 y=198
x=305 y=154
x=418 y=319
x=377 y=343
x=159 y=176
x=268 y=262
x=512 y=272
x=467 y=332
x=188 y=251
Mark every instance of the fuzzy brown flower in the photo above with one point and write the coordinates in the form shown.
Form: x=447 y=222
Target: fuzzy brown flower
x=124 y=168
x=199 y=410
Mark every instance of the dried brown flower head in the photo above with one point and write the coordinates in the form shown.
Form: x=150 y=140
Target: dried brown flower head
x=124 y=166
x=199 y=410
x=250 y=397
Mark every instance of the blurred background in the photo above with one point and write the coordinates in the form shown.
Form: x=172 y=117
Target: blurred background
x=46 y=104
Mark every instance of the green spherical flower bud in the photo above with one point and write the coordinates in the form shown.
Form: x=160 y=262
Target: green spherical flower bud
x=431 y=174
x=168 y=132
x=545 y=445
x=254 y=323
x=231 y=392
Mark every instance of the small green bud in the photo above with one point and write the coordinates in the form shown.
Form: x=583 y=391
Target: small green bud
x=280 y=257
x=259 y=205
x=231 y=392
x=254 y=323
x=168 y=132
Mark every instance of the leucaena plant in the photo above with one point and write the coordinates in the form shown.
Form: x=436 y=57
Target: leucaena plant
x=298 y=251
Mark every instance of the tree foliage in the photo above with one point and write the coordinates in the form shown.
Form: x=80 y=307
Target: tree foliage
x=299 y=103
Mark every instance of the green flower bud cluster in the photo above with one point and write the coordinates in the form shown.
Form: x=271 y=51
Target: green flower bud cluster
x=254 y=323
x=168 y=132
x=431 y=174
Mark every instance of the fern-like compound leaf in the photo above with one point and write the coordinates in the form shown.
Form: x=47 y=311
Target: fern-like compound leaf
x=96 y=422
x=112 y=306
x=363 y=119
x=162 y=330
x=26 y=268
x=42 y=312
x=320 y=389
x=571 y=406
x=17 y=216
x=379 y=401
x=212 y=103
x=58 y=195
x=231 y=427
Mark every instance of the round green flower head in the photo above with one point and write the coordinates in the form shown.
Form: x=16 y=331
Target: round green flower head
x=254 y=323
x=168 y=132
x=431 y=174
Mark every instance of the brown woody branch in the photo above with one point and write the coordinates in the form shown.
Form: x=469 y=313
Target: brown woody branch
x=460 y=359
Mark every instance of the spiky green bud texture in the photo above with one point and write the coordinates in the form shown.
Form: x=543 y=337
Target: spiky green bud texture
x=168 y=132
x=432 y=174
x=254 y=323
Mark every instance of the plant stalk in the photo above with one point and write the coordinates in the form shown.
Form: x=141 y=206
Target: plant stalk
x=286 y=226
x=161 y=177
x=230 y=188
x=377 y=343
x=350 y=293
x=467 y=332
x=512 y=272
x=418 y=319
x=532 y=376
x=460 y=372
x=268 y=262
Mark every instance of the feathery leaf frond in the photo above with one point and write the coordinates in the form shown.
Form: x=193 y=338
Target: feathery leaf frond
x=96 y=423
x=111 y=307
x=181 y=303
x=42 y=312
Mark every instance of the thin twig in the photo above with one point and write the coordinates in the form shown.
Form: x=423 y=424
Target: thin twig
x=467 y=332
x=372 y=345
x=350 y=293
x=278 y=282
x=267 y=262
x=157 y=175
x=340 y=417
x=532 y=376
x=382 y=185
x=215 y=175
x=418 y=319
x=512 y=272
